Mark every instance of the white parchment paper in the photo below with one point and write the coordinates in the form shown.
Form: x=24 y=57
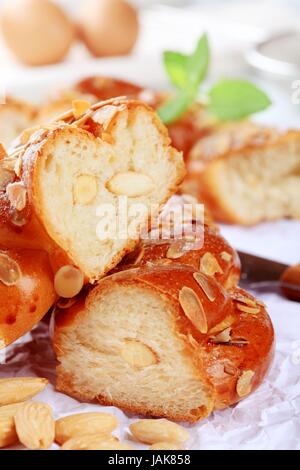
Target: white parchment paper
x=268 y=419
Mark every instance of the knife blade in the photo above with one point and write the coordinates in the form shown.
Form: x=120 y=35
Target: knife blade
x=261 y=273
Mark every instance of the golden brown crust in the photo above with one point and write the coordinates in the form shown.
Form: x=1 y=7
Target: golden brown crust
x=249 y=347
x=24 y=303
x=206 y=161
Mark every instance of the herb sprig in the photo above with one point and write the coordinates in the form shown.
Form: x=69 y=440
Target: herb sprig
x=228 y=99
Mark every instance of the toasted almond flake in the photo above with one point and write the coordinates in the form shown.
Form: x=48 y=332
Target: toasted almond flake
x=209 y=265
x=226 y=256
x=108 y=138
x=105 y=115
x=10 y=271
x=244 y=299
x=223 y=337
x=18 y=166
x=79 y=107
x=226 y=323
x=176 y=250
x=7 y=177
x=244 y=383
x=205 y=286
x=17 y=195
x=246 y=309
x=193 y=309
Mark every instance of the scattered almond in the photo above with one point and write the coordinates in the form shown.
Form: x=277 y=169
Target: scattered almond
x=85 y=189
x=68 y=282
x=35 y=425
x=7 y=177
x=88 y=442
x=244 y=299
x=205 y=285
x=165 y=446
x=10 y=271
x=3 y=152
x=130 y=184
x=8 y=434
x=137 y=354
x=193 y=309
x=17 y=195
x=244 y=383
x=226 y=256
x=153 y=431
x=226 y=323
x=223 y=337
x=176 y=250
x=20 y=389
x=104 y=116
x=251 y=310
x=83 y=423
x=230 y=369
x=80 y=107
x=209 y=265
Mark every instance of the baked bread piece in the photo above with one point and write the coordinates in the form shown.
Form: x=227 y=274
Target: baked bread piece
x=70 y=169
x=26 y=292
x=15 y=116
x=164 y=341
x=246 y=174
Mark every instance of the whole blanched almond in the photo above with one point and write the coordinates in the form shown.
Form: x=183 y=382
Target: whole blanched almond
x=85 y=189
x=35 y=425
x=20 y=389
x=88 y=442
x=137 y=354
x=84 y=423
x=165 y=446
x=8 y=434
x=153 y=431
x=130 y=184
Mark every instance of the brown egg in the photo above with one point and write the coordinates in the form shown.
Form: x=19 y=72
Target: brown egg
x=37 y=31
x=108 y=27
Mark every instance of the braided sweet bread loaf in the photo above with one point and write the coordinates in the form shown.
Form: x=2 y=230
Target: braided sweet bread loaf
x=52 y=185
x=165 y=341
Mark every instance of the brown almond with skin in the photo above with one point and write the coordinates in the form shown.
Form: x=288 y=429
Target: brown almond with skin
x=35 y=425
x=17 y=390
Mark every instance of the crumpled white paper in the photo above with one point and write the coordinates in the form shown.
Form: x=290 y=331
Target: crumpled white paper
x=268 y=419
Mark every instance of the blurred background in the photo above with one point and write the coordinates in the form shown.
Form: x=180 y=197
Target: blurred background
x=107 y=40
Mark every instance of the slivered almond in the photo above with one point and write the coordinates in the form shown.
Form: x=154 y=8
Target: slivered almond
x=223 y=337
x=8 y=434
x=244 y=383
x=152 y=431
x=226 y=256
x=35 y=425
x=76 y=425
x=10 y=271
x=88 y=442
x=85 y=189
x=80 y=107
x=130 y=184
x=176 y=250
x=104 y=116
x=250 y=310
x=205 y=285
x=20 y=389
x=244 y=299
x=193 y=309
x=17 y=195
x=226 y=323
x=7 y=177
x=68 y=282
x=138 y=354
x=209 y=265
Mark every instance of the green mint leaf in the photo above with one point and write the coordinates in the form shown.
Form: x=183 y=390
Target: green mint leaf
x=176 y=107
x=198 y=63
x=176 y=67
x=236 y=99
